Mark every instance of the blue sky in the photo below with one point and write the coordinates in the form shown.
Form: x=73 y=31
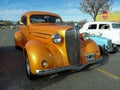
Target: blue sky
x=67 y=9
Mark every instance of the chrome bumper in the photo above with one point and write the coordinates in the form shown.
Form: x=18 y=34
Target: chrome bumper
x=101 y=60
x=113 y=49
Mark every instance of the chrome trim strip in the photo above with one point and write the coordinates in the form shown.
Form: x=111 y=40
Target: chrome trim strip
x=39 y=36
x=42 y=33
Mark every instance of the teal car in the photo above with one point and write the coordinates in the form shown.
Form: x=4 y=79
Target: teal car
x=105 y=43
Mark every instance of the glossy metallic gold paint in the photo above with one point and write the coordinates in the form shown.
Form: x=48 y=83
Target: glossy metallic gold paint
x=36 y=40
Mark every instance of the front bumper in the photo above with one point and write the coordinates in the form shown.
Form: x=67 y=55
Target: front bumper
x=100 y=60
x=113 y=49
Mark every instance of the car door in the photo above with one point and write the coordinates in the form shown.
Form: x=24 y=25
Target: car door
x=104 y=30
x=92 y=29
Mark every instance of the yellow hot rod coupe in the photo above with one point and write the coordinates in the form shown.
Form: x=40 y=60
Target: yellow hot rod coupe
x=50 y=47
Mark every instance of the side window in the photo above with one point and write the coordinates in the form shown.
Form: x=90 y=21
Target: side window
x=92 y=26
x=104 y=26
x=24 y=20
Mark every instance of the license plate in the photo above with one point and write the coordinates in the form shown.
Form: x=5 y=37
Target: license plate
x=89 y=57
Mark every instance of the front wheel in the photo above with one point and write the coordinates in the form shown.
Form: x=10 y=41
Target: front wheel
x=104 y=54
x=102 y=50
x=28 y=71
x=115 y=49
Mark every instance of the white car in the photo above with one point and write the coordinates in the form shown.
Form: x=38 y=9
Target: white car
x=109 y=30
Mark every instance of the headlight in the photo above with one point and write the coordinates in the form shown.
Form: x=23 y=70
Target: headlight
x=86 y=36
x=56 y=38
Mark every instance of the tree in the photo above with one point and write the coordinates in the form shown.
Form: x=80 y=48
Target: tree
x=94 y=7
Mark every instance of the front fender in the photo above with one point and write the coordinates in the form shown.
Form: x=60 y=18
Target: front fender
x=90 y=47
x=38 y=52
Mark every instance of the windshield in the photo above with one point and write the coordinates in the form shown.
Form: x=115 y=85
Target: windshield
x=116 y=25
x=44 y=19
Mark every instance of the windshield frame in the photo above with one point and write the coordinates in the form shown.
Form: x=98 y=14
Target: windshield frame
x=41 y=19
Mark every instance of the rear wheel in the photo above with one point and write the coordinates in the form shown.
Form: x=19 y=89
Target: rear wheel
x=28 y=71
x=17 y=47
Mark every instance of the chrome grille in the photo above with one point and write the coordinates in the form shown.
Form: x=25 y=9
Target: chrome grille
x=73 y=46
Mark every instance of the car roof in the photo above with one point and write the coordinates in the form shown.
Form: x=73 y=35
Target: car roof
x=105 y=22
x=40 y=12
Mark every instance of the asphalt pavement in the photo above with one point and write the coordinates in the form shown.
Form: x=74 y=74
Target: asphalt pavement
x=13 y=75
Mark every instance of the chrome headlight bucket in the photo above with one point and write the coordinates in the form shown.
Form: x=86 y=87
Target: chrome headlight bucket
x=86 y=36
x=56 y=38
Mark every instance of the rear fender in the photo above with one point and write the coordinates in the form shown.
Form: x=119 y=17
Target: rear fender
x=19 y=39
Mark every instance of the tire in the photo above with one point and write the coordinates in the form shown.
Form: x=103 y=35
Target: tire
x=28 y=71
x=102 y=50
x=116 y=49
x=104 y=54
x=17 y=47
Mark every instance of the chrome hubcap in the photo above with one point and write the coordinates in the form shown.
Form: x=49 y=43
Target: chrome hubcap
x=27 y=66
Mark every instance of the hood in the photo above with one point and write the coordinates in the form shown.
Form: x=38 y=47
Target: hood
x=48 y=28
x=100 y=40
